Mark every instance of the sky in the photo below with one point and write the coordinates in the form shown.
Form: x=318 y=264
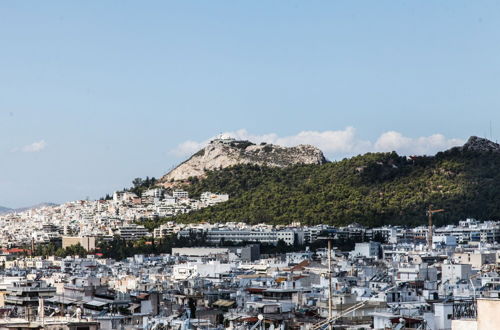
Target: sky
x=96 y=93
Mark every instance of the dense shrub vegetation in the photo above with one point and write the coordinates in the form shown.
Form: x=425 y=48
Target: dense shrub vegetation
x=373 y=189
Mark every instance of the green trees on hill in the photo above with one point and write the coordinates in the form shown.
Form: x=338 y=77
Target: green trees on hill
x=51 y=249
x=139 y=185
x=373 y=189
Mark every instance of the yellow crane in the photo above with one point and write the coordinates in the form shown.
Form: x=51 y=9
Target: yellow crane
x=430 y=212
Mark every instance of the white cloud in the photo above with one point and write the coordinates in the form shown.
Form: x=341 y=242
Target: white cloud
x=35 y=146
x=188 y=147
x=339 y=143
x=424 y=145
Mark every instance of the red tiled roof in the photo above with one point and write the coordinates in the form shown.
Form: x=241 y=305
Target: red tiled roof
x=301 y=265
x=255 y=290
x=15 y=250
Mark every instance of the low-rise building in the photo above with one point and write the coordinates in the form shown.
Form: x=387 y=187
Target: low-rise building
x=88 y=242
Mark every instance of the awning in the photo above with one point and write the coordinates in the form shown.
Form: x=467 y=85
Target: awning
x=62 y=300
x=224 y=303
x=96 y=303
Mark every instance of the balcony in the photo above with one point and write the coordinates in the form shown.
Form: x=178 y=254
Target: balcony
x=465 y=309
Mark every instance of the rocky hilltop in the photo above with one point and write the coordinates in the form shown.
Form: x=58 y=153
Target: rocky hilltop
x=224 y=152
x=478 y=144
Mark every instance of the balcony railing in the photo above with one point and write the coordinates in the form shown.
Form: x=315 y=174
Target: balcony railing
x=466 y=309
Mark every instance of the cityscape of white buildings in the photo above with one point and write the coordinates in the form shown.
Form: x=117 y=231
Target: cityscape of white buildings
x=401 y=284
x=390 y=279
x=100 y=218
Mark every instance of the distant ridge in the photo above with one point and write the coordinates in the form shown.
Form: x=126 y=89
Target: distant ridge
x=6 y=210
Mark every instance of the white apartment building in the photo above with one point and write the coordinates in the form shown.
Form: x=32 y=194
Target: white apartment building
x=367 y=250
x=452 y=273
x=132 y=232
x=180 y=194
x=209 y=198
x=239 y=236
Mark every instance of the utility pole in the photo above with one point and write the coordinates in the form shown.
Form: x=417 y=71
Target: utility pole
x=330 y=302
x=329 y=238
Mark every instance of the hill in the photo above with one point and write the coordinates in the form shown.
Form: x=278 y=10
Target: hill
x=4 y=210
x=372 y=189
x=34 y=207
x=225 y=152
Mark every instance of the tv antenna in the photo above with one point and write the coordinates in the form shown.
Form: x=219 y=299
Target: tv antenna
x=491 y=132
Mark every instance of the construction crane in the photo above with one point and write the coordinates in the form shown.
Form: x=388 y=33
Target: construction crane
x=430 y=212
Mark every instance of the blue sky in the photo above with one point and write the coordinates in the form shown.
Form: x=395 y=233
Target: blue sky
x=95 y=93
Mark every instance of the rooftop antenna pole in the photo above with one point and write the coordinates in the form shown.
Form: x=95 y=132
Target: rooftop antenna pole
x=329 y=238
x=491 y=132
x=330 y=303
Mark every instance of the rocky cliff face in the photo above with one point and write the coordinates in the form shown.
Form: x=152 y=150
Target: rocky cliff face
x=480 y=144
x=477 y=144
x=225 y=153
